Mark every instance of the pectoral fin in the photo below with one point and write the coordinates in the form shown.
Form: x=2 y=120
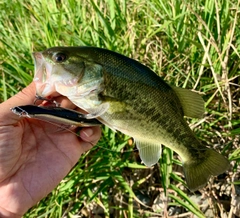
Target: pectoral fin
x=149 y=153
x=97 y=112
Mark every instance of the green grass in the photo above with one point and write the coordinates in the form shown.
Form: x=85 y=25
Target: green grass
x=191 y=44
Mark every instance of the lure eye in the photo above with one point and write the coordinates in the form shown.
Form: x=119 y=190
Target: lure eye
x=59 y=57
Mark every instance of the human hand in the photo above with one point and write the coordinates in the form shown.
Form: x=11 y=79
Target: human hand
x=34 y=155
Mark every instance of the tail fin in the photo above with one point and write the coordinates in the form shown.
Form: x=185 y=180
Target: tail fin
x=197 y=172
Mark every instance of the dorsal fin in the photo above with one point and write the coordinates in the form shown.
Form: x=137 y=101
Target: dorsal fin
x=192 y=103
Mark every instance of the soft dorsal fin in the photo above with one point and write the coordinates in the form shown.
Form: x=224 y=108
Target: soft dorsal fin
x=192 y=103
x=149 y=153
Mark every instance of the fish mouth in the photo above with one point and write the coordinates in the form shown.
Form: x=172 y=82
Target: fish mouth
x=49 y=79
x=42 y=75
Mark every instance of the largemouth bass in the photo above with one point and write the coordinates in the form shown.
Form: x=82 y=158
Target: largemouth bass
x=127 y=96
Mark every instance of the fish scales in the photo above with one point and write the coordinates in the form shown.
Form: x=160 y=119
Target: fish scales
x=127 y=96
x=144 y=105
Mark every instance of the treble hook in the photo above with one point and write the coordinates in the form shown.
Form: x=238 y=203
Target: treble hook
x=38 y=97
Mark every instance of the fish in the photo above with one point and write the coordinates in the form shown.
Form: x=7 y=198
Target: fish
x=129 y=97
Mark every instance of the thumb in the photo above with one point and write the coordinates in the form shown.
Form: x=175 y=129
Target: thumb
x=26 y=96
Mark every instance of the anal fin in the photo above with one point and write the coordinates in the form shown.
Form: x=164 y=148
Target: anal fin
x=149 y=152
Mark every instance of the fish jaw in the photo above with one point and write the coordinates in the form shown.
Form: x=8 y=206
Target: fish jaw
x=41 y=74
x=51 y=80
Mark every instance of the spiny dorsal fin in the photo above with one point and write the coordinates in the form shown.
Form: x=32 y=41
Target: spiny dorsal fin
x=149 y=153
x=192 y=103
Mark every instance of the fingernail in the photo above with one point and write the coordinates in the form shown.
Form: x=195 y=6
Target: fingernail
x=88 y=132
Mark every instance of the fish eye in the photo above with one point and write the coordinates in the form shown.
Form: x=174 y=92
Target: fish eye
x=59 y=57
